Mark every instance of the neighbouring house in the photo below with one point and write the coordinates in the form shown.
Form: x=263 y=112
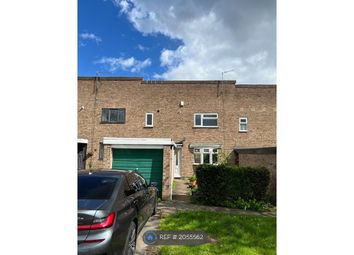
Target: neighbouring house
x=163 y=129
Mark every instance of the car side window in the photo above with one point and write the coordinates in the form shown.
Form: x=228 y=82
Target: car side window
x=142 y=181
x=133 y=182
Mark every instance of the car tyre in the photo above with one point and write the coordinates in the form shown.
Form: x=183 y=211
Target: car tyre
x=131 y=240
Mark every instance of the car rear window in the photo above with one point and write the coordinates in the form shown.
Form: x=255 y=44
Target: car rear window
x=96 y=187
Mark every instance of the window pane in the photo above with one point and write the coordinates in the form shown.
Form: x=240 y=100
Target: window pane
x=149 y=119
x=206 y=158
x=206 y=150
x=243 y=126
x=140 y=182
x=197 y=120
x=105 y=115
x=196 y=150
x=197 y=158
x=113 y=116
x=243 y=120
x=210 y=116
x=215 y=150
x=143 y=181
x=91 y=187
x=121 y=116
x=210 y=122
x=215 y=158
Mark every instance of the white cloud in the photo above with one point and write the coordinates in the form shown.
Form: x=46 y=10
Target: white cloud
x=91 y=36
x=142 y=48
x=126 y=64
x=171 y=58
x=217 y=36
x=123 y=4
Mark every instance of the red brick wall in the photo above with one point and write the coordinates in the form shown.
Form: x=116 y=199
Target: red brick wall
x=258 y=103
x=267 y=160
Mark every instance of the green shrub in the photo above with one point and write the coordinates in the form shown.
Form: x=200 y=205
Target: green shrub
x=225 y=185
x=192 y=178
x=251 y=204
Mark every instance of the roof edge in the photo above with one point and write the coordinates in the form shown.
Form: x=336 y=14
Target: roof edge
x=110 y=78
x=256 y=86
x=141 y=79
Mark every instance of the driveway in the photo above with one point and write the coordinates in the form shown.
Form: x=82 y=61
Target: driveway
x=152 y=224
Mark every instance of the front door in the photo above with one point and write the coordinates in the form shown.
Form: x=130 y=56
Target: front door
x=177 y=165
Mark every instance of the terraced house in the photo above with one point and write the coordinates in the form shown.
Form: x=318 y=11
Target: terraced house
x=163 y=129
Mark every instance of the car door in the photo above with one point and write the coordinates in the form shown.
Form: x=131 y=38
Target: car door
x=149 y=196
x=136 y=197
x=148 y=203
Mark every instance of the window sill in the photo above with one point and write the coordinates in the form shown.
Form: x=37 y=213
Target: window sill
x=196 y=127
x=105 y=122
x=243 y=131
x=197 y=164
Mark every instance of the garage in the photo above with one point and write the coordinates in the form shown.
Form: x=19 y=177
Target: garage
x=148 y=162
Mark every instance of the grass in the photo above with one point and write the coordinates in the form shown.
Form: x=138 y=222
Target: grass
x=234 y=234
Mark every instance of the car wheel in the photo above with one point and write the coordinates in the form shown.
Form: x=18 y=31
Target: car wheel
x=131 y=240
x=155 y=207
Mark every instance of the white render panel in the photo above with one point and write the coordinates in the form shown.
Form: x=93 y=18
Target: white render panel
x=137 y=141
x=82 y=140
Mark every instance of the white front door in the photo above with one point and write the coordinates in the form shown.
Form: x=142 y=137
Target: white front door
x=177 y=164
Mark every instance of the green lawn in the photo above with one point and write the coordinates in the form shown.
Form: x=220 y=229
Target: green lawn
x=235 y=234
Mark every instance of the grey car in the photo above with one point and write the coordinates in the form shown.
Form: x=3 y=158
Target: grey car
x=113 y=207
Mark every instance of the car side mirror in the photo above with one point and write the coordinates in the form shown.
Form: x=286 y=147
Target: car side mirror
x=153 y=184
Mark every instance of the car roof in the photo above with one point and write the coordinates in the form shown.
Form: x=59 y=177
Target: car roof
x=104 y=172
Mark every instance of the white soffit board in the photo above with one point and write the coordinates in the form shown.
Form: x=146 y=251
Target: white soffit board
x=135 y=146
x=82 y=140
x=137 y=141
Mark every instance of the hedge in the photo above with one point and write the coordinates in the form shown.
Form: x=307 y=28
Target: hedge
x=223 y=184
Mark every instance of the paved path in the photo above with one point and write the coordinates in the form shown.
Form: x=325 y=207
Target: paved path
x=169 y=207
x=152 y=224
x=181 y=190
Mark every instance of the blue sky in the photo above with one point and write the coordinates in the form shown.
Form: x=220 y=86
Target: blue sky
x=178 y=39
x=105 y=33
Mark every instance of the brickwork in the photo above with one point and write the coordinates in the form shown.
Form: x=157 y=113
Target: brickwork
x=266 y=160
x=256 y=102
x=166 y=175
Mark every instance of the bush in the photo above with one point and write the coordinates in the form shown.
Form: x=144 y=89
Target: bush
x=192 y=178
x=251 y=204
x=225 y=185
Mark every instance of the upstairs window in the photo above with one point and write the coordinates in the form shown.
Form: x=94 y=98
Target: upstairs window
x=206 y=156
x=243 y=122
x=149 y=119
x=113 y=115
x=205 y=120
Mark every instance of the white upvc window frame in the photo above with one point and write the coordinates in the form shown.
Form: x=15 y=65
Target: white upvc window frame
x=203 y=117
x=201 y=152
x=243 y=123
x=152 y=119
